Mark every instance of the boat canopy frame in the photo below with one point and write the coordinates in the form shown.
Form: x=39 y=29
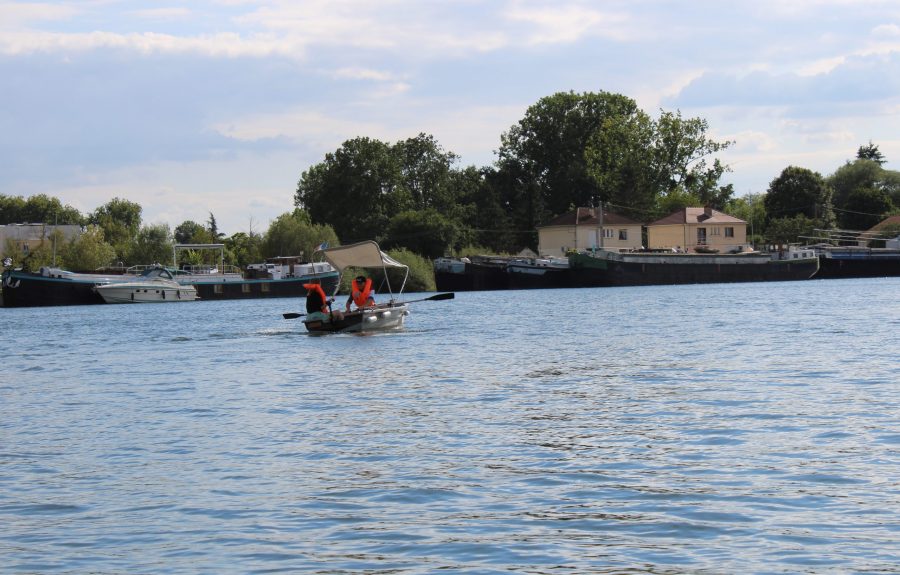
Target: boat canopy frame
x=366 y=255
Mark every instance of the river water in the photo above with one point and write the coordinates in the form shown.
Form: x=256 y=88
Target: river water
x=739 y=428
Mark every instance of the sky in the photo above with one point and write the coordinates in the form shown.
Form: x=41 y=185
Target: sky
x=219 y=106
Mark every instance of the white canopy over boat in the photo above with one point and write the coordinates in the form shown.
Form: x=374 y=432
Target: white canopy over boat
x=367 y=255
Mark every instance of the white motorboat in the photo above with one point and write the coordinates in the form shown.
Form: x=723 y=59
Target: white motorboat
x=156 y=285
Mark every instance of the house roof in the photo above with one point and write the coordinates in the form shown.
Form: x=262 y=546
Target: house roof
x=588 y=217
x=697 y=216
x=891 y=221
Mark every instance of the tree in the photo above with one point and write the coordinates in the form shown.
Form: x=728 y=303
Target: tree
x=865 y=207
x=425 y=170
x=244 y=248
x=89 y=251
x=153 y=244
x=292 y=234
x=792 y=229
x=427 y=232
x=353 y=189
x=39 y=208
x=799 y=191
x=190 y=232
x=120 y=220
x=862 y=174
x=752 y=209
x=213 y=228
x=545 y=151
x=871 y=153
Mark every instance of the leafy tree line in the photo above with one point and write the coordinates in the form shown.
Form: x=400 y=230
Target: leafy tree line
x=799 y=201
x=114 y=235
x=569 y=150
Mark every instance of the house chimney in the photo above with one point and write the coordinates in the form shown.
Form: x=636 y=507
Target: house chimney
x=707 y=210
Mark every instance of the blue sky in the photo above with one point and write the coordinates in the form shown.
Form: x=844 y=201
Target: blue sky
x=219 y=106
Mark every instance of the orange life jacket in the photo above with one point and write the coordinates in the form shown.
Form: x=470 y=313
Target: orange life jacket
x=361 y=296
x=318 y=289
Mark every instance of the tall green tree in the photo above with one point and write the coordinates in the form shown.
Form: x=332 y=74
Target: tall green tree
x=89 y=251
x=425 y=232
x=190 y=232
x=861 y=174
x=545 y=151
x=870 y=152
x=294 y=234
x=353 y=190
x=244 y=248
x=799 y=191
x=153 y=244
x=865 y=207
x=120 y=220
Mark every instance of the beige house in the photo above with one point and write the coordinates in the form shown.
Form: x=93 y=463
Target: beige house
x=692 y=228
x=17 y=240
x=582 y=229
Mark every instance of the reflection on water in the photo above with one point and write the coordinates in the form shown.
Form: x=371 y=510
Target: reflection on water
x=731 y=428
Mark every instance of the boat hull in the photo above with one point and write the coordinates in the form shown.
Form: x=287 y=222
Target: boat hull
x=136 y=293
x=859 y=263
x=27 y=289
x=608 y=269
x=368 y=320
x=650 y=269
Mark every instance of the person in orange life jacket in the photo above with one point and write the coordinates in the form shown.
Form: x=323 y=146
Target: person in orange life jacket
x=317 y=305
x=361 y=293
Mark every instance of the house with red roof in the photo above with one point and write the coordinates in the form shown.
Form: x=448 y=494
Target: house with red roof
x=690 y=229
x=584 y=229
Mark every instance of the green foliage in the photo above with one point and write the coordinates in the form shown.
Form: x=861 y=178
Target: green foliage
x=425 y=232
x=752 y=209
x=153 y=244
x=865 y=207
x=677 y=200
x=120 y=220
x=870 y=152
x=788 y=230
x=799 y=191
x=545 y=151
x=89 y=251
x=39 y=208
x=244 y=249
x=421 y=271
x=291 y=234
x=190 y=232
x=861 y=174
x=353 y=190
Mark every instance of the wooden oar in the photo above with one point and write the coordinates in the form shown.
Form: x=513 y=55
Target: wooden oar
x=436 y=297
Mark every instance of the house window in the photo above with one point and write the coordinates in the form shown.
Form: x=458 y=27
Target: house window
x=715 y=231
x=701 y=236
x=608 y=233
x=623 y=234
x=729 y=232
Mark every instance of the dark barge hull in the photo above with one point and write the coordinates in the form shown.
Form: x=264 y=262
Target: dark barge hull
x=878 y=265
x=634 y=270
x=25 y=289
x=638 y=270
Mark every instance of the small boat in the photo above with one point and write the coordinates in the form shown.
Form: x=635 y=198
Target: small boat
x=156 y=285
x=384 y=316
x=380 y=317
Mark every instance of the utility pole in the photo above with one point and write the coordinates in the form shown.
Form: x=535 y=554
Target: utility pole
x=600 y=223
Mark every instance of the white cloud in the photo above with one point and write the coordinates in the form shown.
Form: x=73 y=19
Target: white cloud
x=566 y=23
